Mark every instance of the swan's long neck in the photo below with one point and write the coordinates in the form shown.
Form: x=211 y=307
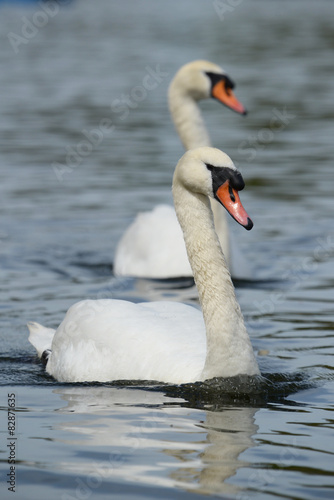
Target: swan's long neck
x=227 y=338
x=190 y=126
x=187 y=119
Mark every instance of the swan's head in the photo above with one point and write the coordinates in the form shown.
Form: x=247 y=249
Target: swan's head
x=210 y=172
x=203 y=79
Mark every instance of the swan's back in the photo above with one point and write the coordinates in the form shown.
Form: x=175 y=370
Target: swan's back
x=114 y=340
x=153 y=246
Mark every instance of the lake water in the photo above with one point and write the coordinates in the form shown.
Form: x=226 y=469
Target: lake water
x=64 y=206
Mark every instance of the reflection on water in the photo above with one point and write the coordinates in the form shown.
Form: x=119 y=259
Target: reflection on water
x=129 y=424
x=108 y=439
x=258 y=439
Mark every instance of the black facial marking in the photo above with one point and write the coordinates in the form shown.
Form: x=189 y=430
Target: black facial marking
x=217 y=77
x=220 y=175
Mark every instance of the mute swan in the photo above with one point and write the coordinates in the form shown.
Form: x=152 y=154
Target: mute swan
x=106 y=340
x=153 y=245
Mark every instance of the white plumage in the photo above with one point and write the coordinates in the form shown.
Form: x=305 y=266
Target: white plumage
x=106 y=340
x=153 y=246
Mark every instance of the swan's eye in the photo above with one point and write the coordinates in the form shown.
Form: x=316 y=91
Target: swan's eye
x=230 y=190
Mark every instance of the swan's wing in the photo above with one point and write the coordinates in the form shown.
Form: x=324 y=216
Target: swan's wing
x=105 y=340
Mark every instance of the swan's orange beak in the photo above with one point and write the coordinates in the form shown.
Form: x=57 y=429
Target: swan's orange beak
x=230 y=199
x=225 y=95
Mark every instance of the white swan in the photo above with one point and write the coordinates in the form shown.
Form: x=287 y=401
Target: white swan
x=106 y=340
x=153 y=246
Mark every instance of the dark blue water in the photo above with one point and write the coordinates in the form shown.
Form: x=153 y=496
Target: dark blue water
x=61 y=72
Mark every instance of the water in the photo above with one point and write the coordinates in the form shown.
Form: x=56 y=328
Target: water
x=59 y=228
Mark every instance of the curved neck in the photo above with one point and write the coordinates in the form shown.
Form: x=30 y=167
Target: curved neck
x=227 y=338
x=187 y=118
x=190 y=126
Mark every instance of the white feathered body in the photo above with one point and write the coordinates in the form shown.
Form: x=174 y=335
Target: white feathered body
x=105 y=340
x=153 y=246
x=108 y=340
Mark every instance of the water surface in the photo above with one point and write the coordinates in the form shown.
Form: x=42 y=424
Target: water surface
x=60 y=227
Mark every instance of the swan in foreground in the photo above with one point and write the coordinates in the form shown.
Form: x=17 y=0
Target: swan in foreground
x=153 y=245
x=106 y=340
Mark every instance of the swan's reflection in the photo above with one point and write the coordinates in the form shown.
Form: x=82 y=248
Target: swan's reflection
x=137 y=435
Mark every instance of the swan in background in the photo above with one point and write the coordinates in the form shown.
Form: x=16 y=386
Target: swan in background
x=106 y=340
x=153 y=245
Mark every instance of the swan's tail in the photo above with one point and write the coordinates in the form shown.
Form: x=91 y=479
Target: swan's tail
x=41 y=338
